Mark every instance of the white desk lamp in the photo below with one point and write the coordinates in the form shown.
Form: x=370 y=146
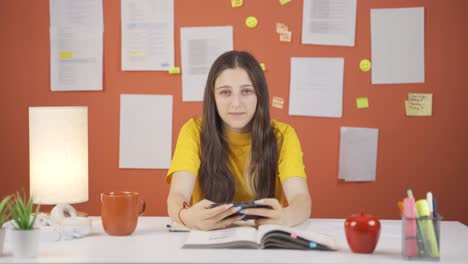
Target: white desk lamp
x=58 y=157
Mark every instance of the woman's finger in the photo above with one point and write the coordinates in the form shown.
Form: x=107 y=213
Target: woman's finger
x=219 y=217
x=274 y=203
x=213 y=211
x=229 y=221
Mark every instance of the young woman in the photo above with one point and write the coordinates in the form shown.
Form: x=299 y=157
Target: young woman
x=236 y=153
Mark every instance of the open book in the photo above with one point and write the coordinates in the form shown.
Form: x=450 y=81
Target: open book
x=266 y=236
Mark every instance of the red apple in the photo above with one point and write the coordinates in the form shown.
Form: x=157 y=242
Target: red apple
x=362 y=232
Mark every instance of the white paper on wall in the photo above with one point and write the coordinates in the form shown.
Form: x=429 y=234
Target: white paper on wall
x=76 y=45
x=147 y=35
x=358 y=154
x=145 y=131
x=200 y=46
x=397 y=45
x=316 y=87
x=329 y=22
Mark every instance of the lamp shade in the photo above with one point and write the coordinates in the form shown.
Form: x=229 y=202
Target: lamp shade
x=58 y=154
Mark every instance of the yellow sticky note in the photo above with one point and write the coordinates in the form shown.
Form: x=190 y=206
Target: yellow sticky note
x=237 y=3
x=419 y=104
x=285 y=37
x=65 y=54
x=262 y=65
x=283 y=2
x=365 y=65
x=362 y=102
x=281 y=28
x=277 y=102
x=251 y=22
x=174 y=70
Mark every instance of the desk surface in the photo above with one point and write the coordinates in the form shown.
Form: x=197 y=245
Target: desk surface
x=151 y=242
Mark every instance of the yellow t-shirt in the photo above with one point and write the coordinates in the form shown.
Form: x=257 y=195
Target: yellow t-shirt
x=187 y=157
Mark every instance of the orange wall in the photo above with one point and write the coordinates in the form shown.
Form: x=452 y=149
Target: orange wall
x=425 y=153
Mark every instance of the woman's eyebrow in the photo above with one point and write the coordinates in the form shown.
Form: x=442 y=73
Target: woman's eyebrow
x=223 y=86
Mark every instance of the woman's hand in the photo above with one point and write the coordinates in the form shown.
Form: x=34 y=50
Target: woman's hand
x=276 y=215
x=201 y=217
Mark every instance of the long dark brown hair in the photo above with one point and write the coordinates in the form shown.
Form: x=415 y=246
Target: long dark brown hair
x=216 y=179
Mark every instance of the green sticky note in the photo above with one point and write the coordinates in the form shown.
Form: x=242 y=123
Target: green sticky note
x=362 y=102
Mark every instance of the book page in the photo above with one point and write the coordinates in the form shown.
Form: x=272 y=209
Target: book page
x=319 y=238
x=222 y=236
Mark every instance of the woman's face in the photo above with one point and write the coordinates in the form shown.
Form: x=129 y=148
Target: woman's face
x=235 y=98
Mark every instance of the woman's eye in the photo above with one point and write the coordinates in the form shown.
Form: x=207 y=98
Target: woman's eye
x=225 y=92
x=247 y=91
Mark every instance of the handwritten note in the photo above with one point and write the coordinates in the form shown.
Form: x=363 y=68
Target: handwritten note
x=277 y=102
x=419 y=104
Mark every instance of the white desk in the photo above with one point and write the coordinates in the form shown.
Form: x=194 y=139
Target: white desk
x=151 y=242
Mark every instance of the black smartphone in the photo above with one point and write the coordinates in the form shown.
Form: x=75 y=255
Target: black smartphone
x=244 y=205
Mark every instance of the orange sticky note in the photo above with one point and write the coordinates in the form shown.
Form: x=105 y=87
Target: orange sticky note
x=237 y=3
x=285 y=37
x=65 y=54
x=362 y=102
x=281 y=28
x=174 y=70
x=277 y=102
x=283 y=2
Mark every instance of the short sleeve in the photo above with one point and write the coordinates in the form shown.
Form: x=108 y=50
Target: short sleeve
x=187 y=151
x=290 y=162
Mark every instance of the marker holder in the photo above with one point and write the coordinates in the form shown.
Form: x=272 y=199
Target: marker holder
x=422 y=242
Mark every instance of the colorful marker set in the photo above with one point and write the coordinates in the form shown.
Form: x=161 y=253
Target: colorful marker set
x=420 y=227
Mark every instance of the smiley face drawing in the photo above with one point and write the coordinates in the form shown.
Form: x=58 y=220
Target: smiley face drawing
x=365 y=65
x=251 y=22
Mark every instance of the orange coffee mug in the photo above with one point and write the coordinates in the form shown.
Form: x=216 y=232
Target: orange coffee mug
x=120 y=211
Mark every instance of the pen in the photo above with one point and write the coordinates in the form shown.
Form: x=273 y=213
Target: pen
x=419 y=233
x=410 y=234
x=429 y=202
x=437 y=219
x=410 y=193
x=427 y=228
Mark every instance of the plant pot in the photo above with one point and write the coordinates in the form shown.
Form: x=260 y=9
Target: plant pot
x=2 y=239
x=24 y=243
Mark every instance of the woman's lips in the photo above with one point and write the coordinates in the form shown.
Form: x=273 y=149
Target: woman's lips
x=236 y=113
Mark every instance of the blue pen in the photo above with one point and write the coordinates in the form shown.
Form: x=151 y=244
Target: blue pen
x=419 y=234
x=436 y=220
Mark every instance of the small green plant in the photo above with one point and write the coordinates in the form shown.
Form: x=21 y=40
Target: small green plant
x=3 y=210
x=21 y=211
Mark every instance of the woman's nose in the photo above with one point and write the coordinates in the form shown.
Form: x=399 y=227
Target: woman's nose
x=236 y=100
